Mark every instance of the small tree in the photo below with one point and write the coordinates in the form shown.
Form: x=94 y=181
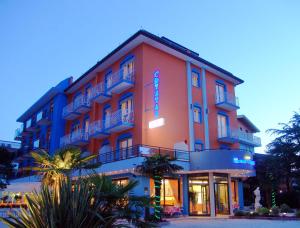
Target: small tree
x=156 y=167
x=61 y=164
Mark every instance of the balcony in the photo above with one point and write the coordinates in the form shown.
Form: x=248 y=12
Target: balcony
x=97 y=131
x=99 y=94
x=229 y=137
x=248 y=138
x=82 y=104
x=31 y=126
x=227 y=101
x=234 y=136
x=18 y=133
x=76 y=138
x=68 y=112
x=43 y=118
x=119 y=121
x=120 y=82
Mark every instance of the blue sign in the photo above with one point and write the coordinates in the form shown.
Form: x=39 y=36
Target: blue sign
x=156 y=93
x=243 y=161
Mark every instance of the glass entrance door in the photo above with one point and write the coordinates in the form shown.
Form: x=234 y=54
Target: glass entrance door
x=199 y=196
x=221 y=198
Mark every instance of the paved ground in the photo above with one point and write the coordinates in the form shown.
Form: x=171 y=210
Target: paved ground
x=192 y=222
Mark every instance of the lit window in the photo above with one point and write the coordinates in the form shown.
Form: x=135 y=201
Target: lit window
x=195 y=79
x=127 y=69
x=197 y=114
x=198 y=146
x=222 y=126
x=127 y=109
x=121 y=182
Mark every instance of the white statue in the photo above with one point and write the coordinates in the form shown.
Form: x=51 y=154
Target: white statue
x=257 y=198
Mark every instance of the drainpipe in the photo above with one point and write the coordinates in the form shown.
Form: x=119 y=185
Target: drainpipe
x=190 y=106
x=205 y=109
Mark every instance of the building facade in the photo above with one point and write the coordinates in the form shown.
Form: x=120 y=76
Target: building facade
x=42 y=125
x=152 y=95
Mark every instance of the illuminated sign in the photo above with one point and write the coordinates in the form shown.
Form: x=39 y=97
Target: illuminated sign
x=156 y=93
x=243 y=161
x=157 y=123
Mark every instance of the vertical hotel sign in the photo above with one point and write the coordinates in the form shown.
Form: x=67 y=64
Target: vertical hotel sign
x=156 y=93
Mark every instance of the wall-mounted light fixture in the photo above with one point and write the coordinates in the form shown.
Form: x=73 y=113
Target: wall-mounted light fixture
x=157 y=123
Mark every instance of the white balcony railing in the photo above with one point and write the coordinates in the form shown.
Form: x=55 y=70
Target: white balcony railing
x=228 y=98
x=121 y=117
x=96 y=127
x=241 y=136
x=80 y=101
x=98 y=90
x=75 y=138
x=118 y=77
x=67 y=109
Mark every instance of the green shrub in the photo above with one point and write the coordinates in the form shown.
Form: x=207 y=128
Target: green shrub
x=263 y=211
x=275 y=211
x=298 y=214
x=239 y=213
x=284 y=208
x=253 y=213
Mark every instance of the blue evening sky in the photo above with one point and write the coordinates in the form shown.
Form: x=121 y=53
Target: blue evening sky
x=43 y=42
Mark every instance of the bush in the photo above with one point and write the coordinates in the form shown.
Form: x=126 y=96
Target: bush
x=253 y=213
x=298 y=214
x=275 y=211
x=284 y=208
x=239 y=213
x=263 y=211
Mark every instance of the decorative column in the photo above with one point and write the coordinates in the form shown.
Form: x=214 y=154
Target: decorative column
x=185 y=194
x=205 y=110
x=230 y=195
x=211 y=194
x=190 y=106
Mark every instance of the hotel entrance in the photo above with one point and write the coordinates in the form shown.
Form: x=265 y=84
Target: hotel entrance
x=199 y=196
x=221 y=191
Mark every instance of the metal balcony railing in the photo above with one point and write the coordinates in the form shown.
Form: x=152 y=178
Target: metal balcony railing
x=142 y=151
x=227 y=98
x=247 y=137
x=99 y=93
x=118 y=77
x=119 y=120
x=75 y=138
x=81 y=101
x=67 y=109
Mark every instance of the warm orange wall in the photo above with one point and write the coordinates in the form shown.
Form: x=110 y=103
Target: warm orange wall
x=172 y=102
x=97 y=109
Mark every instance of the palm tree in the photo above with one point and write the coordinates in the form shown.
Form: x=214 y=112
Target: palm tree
x=93 y=201
x=156 y=167
x=61 y=164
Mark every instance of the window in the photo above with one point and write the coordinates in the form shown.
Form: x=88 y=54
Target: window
x=75 y=126
x=88 y=93
x=121 y=182
x=127 y=110
x=36 y=143
x=106 y=116
x=198 y=146
x=125 y=148
x=28 y=123
x=170 y=194
x=195 y=79
x=109 y=79
x=86 y=124
x=127 y=69
x=220 y=92
x=197 y=114
x=222 y=126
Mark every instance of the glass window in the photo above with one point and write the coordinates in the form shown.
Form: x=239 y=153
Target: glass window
x=221 y=195
x=86 y=125
x=36 y=143
x=127 y=70
x=195 y=79
x=197 y=114
x=220 y=93
x=121 y=182
x=198 y=146
x=75 y=126
x=106 y=117
x=199 y=195
x=169 y=193
x=222 y=126
x=28 y=123
x=125 y=148
x=109 y=79
x=88 y=93
x=127 y=110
